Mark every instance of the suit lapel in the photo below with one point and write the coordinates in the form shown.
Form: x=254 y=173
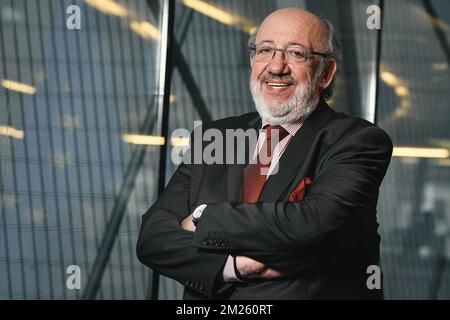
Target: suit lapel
x=295 y=154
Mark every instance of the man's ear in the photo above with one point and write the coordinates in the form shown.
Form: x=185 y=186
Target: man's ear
x=328 y=75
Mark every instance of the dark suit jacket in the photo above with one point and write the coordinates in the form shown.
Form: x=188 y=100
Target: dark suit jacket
x=331 y=235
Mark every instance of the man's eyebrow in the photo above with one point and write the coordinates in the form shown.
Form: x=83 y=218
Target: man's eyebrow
x=289 y=43
x=296 y=44
x=263 y=41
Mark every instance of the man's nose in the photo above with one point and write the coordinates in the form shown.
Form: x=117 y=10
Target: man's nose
x=278 y=65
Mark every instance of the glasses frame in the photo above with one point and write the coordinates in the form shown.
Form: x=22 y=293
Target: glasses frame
x=252 y=48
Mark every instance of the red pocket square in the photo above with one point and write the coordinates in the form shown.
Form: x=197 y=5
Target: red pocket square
x=300 y=190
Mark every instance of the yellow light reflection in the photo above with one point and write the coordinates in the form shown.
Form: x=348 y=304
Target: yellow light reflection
x=145 y=29
x=108 y=7
x=17 y=86
x=180 y=142
x=154 y=140
x=251 y=30
x=416 y=152
x=390 y=78
x=143 y=139
x=211 y=11
x=11 y=132
x=402 y=110
x=402 y=91
x=220 y=15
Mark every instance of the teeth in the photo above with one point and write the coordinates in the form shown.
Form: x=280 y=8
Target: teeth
x=278 y=85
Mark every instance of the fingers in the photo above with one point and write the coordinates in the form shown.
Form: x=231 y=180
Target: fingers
x=187 y=224
x=252 y=269
x=248 y=267
x=272 y=274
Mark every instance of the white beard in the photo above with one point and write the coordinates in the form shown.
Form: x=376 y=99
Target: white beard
x=301 y=105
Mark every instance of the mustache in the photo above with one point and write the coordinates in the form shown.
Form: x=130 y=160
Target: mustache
x=282 y=77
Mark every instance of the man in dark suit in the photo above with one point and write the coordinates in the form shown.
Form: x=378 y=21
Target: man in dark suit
x=301 y=225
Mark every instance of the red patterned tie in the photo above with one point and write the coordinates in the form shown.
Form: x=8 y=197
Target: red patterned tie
x=255 y=173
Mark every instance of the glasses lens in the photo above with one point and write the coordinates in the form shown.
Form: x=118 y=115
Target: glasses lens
x=293 y=54
x=297 y=54
x=263 y=53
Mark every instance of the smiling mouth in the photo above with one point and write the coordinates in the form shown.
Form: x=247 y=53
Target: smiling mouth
x=278 y=85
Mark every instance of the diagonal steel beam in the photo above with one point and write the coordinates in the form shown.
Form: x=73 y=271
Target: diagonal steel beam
x=179 y=61
x=111 y=231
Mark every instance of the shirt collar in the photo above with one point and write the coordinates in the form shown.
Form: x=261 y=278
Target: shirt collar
x=291 y=128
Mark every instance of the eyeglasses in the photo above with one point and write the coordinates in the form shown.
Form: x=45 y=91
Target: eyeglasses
x=293 y=54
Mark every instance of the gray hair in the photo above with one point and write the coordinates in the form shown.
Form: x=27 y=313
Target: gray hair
x=332 y=47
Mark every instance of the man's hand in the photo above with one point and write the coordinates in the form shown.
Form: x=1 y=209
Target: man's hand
x=187 y=224
x=248 y=267
x=253 y=269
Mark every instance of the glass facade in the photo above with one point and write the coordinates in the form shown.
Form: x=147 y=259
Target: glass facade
x=81 y=123
x=414 y=108
x=65 y=161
